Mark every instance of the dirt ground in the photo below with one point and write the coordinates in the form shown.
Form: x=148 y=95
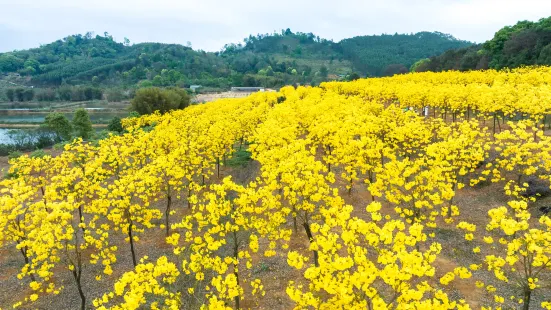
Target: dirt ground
x=212 y=97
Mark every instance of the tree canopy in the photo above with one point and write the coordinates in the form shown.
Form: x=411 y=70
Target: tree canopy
x=82 y=124
x=149 y=100
x=59 y=124
x=525 y=43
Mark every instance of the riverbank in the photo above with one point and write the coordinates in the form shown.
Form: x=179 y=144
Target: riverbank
x=22 y=126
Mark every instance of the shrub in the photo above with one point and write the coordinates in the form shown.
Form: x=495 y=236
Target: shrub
x=46 y=95
x=59 y=125
x=82 y=124
x=115 y=95
x=38 y=154
x=149 y=100
x=14 y=154
x=115 y=125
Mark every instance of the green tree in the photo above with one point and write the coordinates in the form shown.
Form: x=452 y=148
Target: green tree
x=114 y=95
x=82 y=124
x=88 y=93
x=10 y=63
x=46 y=94
x=78 y=94
x=28 y=94
x=183 y=97
x=353 y=76
x=32 y=63
x=420 y=65
x=393 y=69
x=10 y=93
x=64 y=93
x=115 y=125
x=149 y=100
x=545 y=55
x=20 y=94
x=59 y=125
x=324 y=71
x=158 y=80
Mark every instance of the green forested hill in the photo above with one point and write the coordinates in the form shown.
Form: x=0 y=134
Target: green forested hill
x=374 y=54
x=526 y=43
x=270 y=60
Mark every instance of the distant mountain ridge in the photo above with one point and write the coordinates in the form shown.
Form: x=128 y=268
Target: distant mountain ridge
x=269 y=60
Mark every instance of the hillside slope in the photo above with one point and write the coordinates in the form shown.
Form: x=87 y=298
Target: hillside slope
x=383 y=55
x=525 y=43
x=270 y=60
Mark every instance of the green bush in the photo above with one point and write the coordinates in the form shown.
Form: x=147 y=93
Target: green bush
x=115 y=125
x=38 y=154
x=149 y=100
x=60 y=146
x=114 y=95
x=240 y=158
x=82 y=124
x=14 y=154
x=59 y=125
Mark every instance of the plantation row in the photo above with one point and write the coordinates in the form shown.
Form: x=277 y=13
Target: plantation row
x=497 y=94
x=316 y=148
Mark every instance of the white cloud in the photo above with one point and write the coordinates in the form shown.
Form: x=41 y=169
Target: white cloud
x=209 y=24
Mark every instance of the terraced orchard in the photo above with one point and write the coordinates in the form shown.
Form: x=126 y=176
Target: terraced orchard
x=419 y=191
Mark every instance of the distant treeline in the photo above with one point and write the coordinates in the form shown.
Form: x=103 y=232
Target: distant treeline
x=526 y=43
x=65 y=93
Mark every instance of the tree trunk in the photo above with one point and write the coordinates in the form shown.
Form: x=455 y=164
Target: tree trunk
x=527 y=295
x=329 y=164
x=311 y=239
x=451 y=200
x=188 y=194
x=43 y=195
x=235 y=272
x=26 y=258
x=132 y=244
x=77 y=277
x=167 y=213
x=81 y=219
x=494 y=131
x=370 y=173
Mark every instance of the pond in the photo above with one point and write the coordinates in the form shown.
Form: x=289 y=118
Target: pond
x=17 y=117
x=7 y=134
x=4 y=137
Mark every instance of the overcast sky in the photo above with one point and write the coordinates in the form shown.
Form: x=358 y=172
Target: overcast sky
x=209 y=24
